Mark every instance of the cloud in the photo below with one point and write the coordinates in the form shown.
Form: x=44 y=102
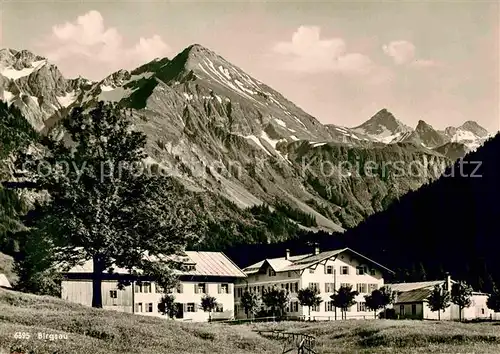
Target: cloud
x=404 y=53
x=90 y=43
x=401 y=52
x=308 y=52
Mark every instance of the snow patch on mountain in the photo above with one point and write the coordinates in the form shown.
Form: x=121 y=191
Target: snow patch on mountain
x=67 y=99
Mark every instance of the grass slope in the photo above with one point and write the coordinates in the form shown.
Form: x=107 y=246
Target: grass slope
x=99 y=331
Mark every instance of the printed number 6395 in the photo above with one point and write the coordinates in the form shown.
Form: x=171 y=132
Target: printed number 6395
x=22 y=335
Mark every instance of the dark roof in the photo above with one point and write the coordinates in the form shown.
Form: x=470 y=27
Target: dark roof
x=417 y=295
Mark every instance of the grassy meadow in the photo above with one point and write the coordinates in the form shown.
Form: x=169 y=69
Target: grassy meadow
x=86 y=330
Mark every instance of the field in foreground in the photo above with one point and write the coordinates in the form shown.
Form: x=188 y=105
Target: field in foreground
x=98 y=331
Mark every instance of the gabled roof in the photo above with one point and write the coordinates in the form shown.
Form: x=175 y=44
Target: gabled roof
x=206 y=264
x=300 y=262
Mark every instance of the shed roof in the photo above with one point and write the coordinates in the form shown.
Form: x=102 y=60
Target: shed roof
x=416 y=295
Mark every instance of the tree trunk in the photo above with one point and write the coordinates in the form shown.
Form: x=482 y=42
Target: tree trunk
x=97 y=282
x=375 y=314
x=439 y=315
x=459 y=313
x=309 y=313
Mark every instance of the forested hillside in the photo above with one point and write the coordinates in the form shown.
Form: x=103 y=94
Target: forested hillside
x=450 y=225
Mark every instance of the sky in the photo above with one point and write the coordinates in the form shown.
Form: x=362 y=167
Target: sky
x=339 y=61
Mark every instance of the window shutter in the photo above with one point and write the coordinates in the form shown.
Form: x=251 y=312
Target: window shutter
x=196 y=288
x=230 y=288
x=181 y=288
x=195 y=307
x=184 y=307
x=325 y=268
x=219 y=286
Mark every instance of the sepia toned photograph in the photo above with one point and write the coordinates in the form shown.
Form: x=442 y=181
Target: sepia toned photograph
x=247 y=177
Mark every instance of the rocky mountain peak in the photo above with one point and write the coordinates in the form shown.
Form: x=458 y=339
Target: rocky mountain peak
x=384 y=127
x=474 y=128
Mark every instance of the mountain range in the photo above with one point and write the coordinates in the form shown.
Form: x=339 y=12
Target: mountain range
x=231 y=137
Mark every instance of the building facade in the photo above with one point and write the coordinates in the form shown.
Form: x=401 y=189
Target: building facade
x=326 y=271
x=209 y=273
x=411 y=302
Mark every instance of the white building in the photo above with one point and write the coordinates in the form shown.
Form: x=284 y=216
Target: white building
x=327 y=271
x=4 y=282
x=210 y=273
x=411 y=302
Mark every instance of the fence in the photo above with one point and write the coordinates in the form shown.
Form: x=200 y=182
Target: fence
x=296 y=318
x=292 y=341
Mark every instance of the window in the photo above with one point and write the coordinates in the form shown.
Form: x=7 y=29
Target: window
x=344 y=270
x=329 y=306
x=345 y=285
x=138 y=307
x=402 y=310
x=296 y=289
x=482 y=311
x=329 y=269
x=190 y=268
x=146 y=287
x=179 y=288
x=138 y=287
x=113 y=294
x=295 y=306
x=289 y=274
x=256 y=278
x=373 y=272
x=311 y=270
x=224 y=289
x=271 y=273
x=149 y=307
x=239 y=292
x=287 y=287
x=362 y=288
x=361 y=306
x=190 y=307
x=315 y=308
x=314 y=286
x=348 y=309
x=219 y=308
x=413 y=309
x=200 y=288
x=372 y=287
x=159 y=289
x=361 y=270
x=329 y=288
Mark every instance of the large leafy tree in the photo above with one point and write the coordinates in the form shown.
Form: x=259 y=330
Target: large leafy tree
x=250 y=302
x=493 y=301
x=275 y=299
x=104 y=205
x=439 y=300
x=208 y=304
x=461 y=294
x=309 y=297
x=343 y=298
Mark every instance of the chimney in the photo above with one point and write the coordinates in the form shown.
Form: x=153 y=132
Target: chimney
x=447 y=282
x=316 y=248
x=287 y=254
